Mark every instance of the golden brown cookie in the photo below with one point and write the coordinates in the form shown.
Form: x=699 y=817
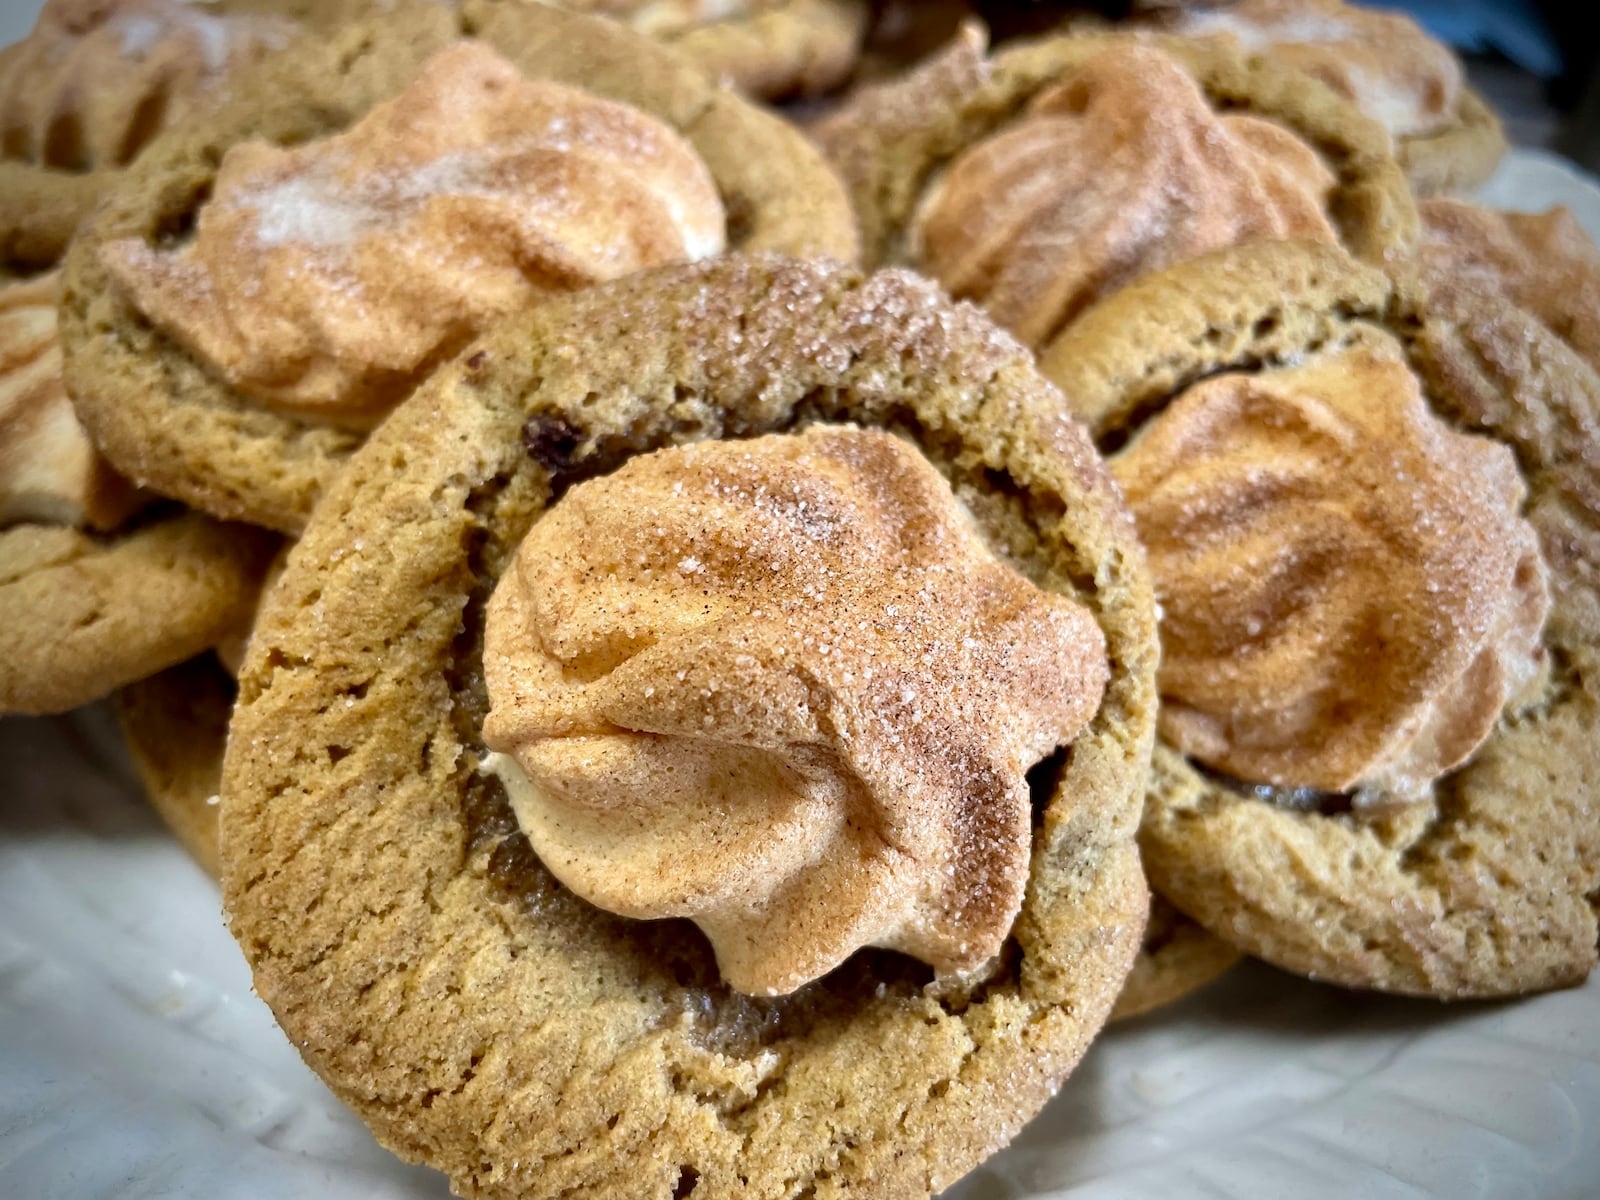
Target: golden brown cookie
x=84 y=614
x=1176 y=957
x=1446 y=137
x=94 y=592
x=1045 y=175
x=175 y=724
x=165 y=416
x=776 y=49
x=1482 y=880
x=95 y=81
x=478 y=1015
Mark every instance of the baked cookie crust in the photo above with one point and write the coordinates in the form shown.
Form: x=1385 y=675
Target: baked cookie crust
x=162 y=419
x=84 y=615
x=478 y=1016
x=175 y=725
x=1489 y=888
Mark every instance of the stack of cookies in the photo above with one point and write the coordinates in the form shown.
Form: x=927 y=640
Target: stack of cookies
x=710 y=656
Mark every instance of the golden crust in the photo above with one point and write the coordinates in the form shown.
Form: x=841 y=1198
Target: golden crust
x=166 y=422
x=477 y=1015
x=1487 y=889
x=783 y=50
x=175 y=724
x=84 y=616
x=1176 y=958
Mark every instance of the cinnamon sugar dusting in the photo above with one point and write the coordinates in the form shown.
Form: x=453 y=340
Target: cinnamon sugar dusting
x=781 y=687
x=97 y=79
x=1122 y=169
x=49 y=473
x=323 y=278
x=1351 y=595
x=1382 y=62
x=1543 y=263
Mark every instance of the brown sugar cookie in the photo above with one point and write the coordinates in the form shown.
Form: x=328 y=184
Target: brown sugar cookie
x=1042 y=177
x=1446 y=137
x=1176 y=957
x=1377 y=759
x=96 y=589
x=374 y=219
x=776 y=49
x=477 y=1014
x=84 y=613
x=175 y=725
x=88 y=89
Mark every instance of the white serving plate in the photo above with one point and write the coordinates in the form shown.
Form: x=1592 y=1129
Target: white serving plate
x=135 y=1061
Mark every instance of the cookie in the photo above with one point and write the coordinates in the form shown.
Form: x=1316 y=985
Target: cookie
x=477 y=1014
x=1379 y=851
x=1042 y=177
x=88 y=89
x=780 y=49
x=85 y=614
x=1446 y=138
x=1176 y=958
x=164 y=400
x=175 y=724
x=96 y=588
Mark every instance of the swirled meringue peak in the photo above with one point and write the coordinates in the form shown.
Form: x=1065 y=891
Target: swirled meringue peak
x=49 y=472
x=1350 y=594
x=783 y=688
x=97 y=79
x=1122 y=169
x=1382 y=62
x=322 y=279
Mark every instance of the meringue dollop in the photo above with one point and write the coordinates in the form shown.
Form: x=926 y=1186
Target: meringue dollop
x=1382 y=62
x=1118 y=171
x=49 y=472
x=322 y=279
x=1351 y=596
x=783 y=688
x=1542 y=262
x=97 y=79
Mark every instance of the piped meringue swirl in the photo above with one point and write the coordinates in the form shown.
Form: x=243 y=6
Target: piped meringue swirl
x=783 y=688
x=1351 y=595
x=49 y=472
x=322 y=279
x=97 y=79
x=1122 y=169
x=1382 y=62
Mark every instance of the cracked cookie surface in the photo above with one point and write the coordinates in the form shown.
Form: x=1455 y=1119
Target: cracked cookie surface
x=479 y=1016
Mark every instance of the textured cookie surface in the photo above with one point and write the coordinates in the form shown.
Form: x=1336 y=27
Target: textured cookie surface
x=175 y=724
x=1488 y=886
x=167 y=422
x=82 y=615
x=791 y=48
x=1177 y=956
x=478 y=1015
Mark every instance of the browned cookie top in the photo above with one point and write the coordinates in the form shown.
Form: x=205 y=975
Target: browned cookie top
x=173 y=409
x=1414 y=821
x=475 y=1012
